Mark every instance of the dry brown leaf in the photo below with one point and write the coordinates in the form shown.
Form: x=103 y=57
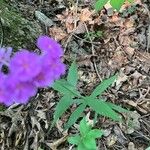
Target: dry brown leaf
x=121 y=78
x=118 y=60
x=69 y=23
x=129 y=23
x=129 y=50
x=69 y=17
x=85 y=15
x=57 y=33
x=80 y=28
x=125 y=40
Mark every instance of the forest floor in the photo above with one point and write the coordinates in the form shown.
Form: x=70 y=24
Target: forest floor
x=103 y=44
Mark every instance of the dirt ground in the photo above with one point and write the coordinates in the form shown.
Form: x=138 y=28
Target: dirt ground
x=102 y=43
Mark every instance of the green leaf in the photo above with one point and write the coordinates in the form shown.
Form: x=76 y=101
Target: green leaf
x=117 y=108
x=148 y=148
x=66 y=88
x=84 y=127
x=95 y=133
x=75 y=115
x=89 y=143
x=78 y=101
x=81 y=147
x=130 y=1
x=102 y=108
x=99 y=4
x=74 y=139
x=103 y=86
x=116 y=4
x=72 y=77
x=61 y=107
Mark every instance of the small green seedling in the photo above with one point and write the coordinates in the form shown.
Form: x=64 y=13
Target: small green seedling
x=128 y=11
x=93 y=35
x=72 y=96
x=86 y=140
x=116 y=4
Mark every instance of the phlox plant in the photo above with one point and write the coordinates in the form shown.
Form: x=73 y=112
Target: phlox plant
x=72 y=96
x=28 y=71
x=86 y=140
x=116 y=4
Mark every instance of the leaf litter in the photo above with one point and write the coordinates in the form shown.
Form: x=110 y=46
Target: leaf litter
x=123 y=48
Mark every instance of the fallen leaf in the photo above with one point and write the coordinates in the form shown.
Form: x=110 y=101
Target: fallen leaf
x=57 y=33
x=80 y=28
x=85 y=15
x=129 y=50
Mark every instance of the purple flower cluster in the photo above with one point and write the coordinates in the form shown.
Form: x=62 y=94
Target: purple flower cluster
x=29 y=71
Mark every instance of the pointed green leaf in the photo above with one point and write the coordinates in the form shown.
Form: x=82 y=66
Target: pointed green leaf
x=99 y=4
x=75 y=115
x=103 y=86
x=116 y=4
x=74 y=139
x=117 y=108
x=61 y=107
x=64 y=87
x=89 y=143
x=84 y=127
x=81 y=147
x=95 y=133
x=102 y=108
x=72 y=77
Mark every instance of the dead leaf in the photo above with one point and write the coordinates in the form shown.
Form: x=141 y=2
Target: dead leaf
x=85 y=15
x=80 y=28
x=118 y=59
x=111 y=140
x=57 y=33
x=129 y=23
x=129 y=50
x=121 y=78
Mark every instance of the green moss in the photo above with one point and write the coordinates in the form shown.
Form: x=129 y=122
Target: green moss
x=18 y=31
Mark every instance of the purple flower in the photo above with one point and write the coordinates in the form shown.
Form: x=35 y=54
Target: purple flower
x=4 y=94
x=49 y=45
x=20 y=92
x=44 y=78
x=29 y=71
x=52 y=69
x=25 y=65
x=5 y=54
x=54 y=65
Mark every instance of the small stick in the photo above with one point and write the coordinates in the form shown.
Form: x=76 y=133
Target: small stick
x=2 y=35
x=93 y=53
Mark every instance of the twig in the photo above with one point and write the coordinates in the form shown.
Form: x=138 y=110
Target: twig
x=93 y=53
x=148 y=34
x=2 y=35
x=55 y=144
x=96 y=43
